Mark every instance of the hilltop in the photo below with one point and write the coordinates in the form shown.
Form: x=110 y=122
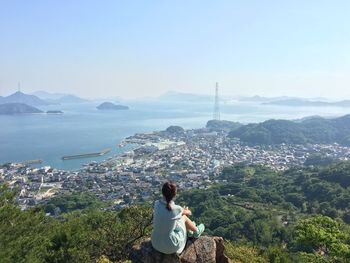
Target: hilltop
x=299 y=215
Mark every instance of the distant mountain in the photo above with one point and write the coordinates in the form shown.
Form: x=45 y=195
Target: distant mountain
x=257 y=98
x=58 y=98
x=308 y=103
x=71 y=99
x=17 y=108
x=311 y=130
x=47 y=95
x=20 y=97
x=185 y=97
x=111 y=106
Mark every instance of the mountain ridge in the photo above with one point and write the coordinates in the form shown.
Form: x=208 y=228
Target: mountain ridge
x=310 y=130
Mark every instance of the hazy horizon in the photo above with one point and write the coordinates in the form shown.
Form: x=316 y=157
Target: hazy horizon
x=129 y=50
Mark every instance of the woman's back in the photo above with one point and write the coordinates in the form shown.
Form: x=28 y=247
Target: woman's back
x=169 y=230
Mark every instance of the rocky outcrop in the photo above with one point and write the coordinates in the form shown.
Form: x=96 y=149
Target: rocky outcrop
x=203 y=250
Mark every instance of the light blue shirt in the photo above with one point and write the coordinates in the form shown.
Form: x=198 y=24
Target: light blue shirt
x=169 y=230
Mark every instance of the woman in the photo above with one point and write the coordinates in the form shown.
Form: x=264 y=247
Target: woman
x=171 y=224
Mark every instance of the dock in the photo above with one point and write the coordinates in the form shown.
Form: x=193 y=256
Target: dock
x=86 y=155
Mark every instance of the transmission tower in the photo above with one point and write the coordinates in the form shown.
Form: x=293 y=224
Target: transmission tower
x=216 y=114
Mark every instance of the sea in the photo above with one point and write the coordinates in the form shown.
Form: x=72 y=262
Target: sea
x=84 y=129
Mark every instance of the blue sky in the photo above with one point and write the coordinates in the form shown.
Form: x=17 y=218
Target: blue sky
x=145 y=48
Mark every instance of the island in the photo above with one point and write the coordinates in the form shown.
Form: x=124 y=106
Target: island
x=17 y=108
x=54 y=112
x=111 y=106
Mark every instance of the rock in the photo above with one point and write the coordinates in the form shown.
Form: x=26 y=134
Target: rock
x=203 y=250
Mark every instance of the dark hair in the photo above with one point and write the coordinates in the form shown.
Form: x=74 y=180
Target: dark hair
x=169 y=192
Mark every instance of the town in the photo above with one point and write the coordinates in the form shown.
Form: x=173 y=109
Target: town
x=191 y=158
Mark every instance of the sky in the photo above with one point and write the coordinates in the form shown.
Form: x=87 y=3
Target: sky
x=146 y=48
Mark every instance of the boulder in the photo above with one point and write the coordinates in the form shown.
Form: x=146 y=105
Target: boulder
x=202 y=250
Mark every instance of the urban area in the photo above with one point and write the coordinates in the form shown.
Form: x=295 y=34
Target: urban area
x=191 y=158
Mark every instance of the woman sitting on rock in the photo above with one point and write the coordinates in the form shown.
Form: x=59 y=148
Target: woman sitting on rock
x=171 y=224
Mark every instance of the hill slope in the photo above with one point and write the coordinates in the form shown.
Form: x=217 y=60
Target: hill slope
x=311 y=130
x=17 y=108
x=20 y=97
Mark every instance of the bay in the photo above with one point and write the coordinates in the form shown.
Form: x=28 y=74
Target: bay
x=84 y=129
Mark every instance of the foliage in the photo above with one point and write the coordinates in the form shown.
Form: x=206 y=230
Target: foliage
x=263 y=208
x=319 y=160
x=323 y=235
x=222 y=125
x=276 y=254
x=243 y=253
x=71 y=202
x=80 y=236
x=266 y=216
x=175 y=129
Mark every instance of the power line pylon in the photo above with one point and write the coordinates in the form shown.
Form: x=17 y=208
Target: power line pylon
x=216 y=114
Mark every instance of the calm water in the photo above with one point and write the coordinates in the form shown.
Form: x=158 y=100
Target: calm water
x=83 y=129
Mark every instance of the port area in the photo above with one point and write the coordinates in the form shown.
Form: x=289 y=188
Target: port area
x=86 y=155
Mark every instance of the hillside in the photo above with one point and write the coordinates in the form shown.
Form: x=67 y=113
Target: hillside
x=222 y=125
x=17 y=108
x=311 y=130
x=300 y=215
x=20 y=97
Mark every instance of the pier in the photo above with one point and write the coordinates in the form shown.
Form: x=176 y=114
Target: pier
x=86 y=155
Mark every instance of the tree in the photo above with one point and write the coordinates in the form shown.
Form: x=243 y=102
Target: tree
x=321 y=235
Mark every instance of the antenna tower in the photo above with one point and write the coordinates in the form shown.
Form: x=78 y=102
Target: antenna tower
x=216 y=114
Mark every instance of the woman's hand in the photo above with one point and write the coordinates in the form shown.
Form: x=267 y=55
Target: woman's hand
x=186 y=211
